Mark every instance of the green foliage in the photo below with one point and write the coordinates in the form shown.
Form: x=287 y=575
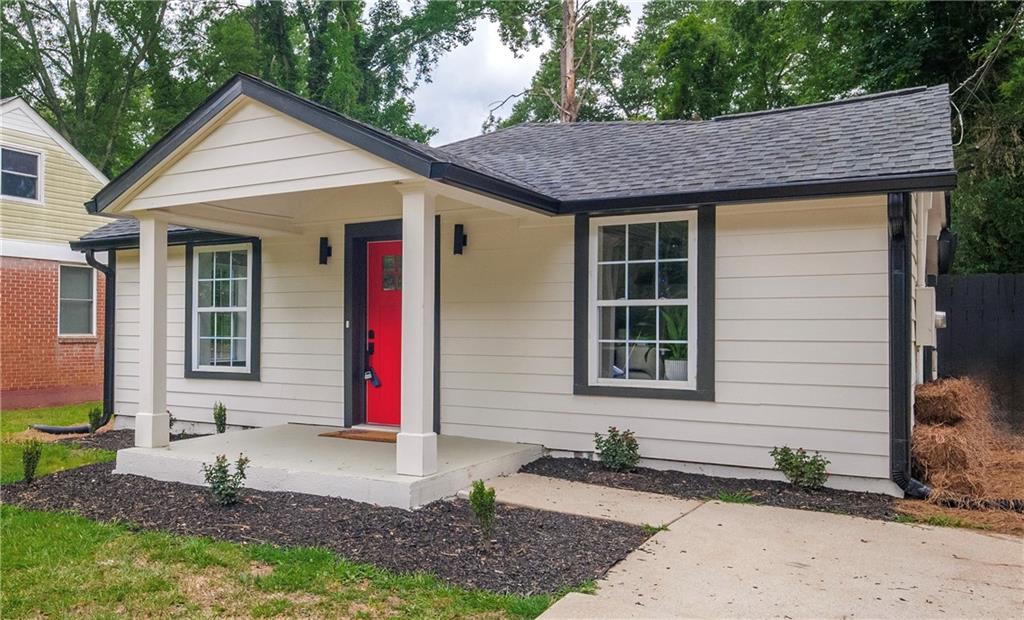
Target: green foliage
x=225 y=485
x=32 y=451
x=735 y=497
x=804 y=470
x=651 y=530
x=482 y=502
x=618 y=450
x=95 y=419
x=220 y=417
x=51 y=562
x=17 y=420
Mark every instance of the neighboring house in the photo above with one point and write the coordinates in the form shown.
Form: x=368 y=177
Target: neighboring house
x=51 y=324
x=719 y=287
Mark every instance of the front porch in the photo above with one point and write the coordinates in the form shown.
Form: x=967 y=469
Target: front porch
x=294 y=457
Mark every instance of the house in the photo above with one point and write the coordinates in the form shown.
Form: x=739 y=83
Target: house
x=51 y=321
x=719 y=287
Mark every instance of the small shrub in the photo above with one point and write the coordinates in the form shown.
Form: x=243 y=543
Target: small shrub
x=735 y=497
x=651 y=530
x=225 y=486
x=802 y=469
x=220 y=417
x=95 y=419
x=481 y=501
x=30 y=455
x=617 y=450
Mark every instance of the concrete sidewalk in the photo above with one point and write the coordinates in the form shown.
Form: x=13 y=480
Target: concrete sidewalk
x=742 y=561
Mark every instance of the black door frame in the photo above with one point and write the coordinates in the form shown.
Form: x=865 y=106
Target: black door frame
x=356 y=238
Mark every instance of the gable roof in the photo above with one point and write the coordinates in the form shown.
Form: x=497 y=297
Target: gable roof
x=16 y=103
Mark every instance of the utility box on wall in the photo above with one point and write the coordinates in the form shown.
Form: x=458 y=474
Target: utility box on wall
x=925 y=336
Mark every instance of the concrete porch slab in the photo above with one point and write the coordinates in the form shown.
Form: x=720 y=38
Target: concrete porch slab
x=293 y=457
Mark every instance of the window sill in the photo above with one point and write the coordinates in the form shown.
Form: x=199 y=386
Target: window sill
x=250 y=375
x=77 y=339
x=641 y=392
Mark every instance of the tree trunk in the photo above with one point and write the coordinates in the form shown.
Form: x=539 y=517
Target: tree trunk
x=567 y=109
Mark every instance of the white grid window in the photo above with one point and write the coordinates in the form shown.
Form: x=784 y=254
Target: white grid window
x=642 y=300
x=221 y=308
x=19 y=174
x=76 y=315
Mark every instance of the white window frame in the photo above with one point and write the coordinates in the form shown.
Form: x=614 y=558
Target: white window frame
x=40 y=166
x=92 y=306
x=194 y=310
x=594 y=305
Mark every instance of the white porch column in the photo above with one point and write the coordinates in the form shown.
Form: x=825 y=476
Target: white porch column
x=152 y=429
x=417 y=442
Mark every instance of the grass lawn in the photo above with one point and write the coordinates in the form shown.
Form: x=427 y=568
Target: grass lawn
x=56 y=457
x=60 y=565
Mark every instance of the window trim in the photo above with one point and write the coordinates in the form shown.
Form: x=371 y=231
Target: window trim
x=584 y=356
x=40 y=167
x=595 y=304
x=92 y=308
x=251 y=372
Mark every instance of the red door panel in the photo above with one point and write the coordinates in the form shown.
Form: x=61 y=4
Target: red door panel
x=384 y=331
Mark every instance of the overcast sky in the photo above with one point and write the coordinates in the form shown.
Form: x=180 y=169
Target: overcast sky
x=468 y=81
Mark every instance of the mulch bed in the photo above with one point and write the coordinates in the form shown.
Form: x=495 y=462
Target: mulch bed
x=114 y=440
x=685 y=485
x=533 y=551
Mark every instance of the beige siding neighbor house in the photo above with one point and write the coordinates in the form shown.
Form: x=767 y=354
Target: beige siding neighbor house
x=51 y=333
x=719 y=287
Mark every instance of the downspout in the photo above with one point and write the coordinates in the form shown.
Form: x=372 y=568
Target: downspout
x=109 y=272
x=900 y=350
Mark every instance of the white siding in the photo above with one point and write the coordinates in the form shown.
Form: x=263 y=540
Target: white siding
x=801 y=350
x=257 y=151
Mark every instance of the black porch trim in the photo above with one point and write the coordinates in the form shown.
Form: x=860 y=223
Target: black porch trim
x=705 y=389
x=255 y=288
x=181 y=236
x=356 y=238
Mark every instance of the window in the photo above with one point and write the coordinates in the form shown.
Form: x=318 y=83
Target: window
x=19 y=174
x=222 y=315
x=76 y=316
x=644 y=305
x=644 y=278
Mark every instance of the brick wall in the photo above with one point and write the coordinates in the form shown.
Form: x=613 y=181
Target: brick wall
x=38 y=368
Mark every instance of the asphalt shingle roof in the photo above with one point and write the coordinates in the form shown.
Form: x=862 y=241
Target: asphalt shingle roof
x=894 y=134
x=903 y=132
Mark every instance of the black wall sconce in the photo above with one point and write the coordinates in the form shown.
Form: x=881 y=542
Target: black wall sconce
x=325 y=250
x=461 y=239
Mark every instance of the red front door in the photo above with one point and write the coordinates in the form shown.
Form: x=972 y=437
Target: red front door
x=384 y=332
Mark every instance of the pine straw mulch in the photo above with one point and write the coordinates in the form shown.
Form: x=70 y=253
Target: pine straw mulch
x=975 y=468
x=532 y=551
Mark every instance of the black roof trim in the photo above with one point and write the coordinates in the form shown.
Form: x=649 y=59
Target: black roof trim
x=465 y=178
x=174 y=237
x=935 y=181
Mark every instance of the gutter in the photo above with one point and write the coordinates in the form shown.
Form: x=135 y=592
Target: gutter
x=900 y=349
x=109 y=272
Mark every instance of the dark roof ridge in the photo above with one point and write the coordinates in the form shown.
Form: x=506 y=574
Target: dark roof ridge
x=834 y=102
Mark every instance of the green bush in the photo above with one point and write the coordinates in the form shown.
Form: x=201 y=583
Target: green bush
x=481 y=500
x=225 y=486
x=802 y=469
x=220 y=417
x=95 y=419
x=30 y=456
x=617 y=450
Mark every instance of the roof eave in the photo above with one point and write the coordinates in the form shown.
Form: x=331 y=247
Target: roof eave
x=465 y=178
x=174 y=237
x=933 y=181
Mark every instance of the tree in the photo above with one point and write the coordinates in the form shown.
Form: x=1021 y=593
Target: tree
x=697 y=61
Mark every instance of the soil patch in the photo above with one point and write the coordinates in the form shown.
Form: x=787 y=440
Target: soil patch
x=112 y=440
x=697 y=486
x=532 y=551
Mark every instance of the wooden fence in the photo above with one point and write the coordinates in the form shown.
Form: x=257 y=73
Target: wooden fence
x=984 y=337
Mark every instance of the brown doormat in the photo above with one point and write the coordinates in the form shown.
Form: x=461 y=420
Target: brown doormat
x=363 y=435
